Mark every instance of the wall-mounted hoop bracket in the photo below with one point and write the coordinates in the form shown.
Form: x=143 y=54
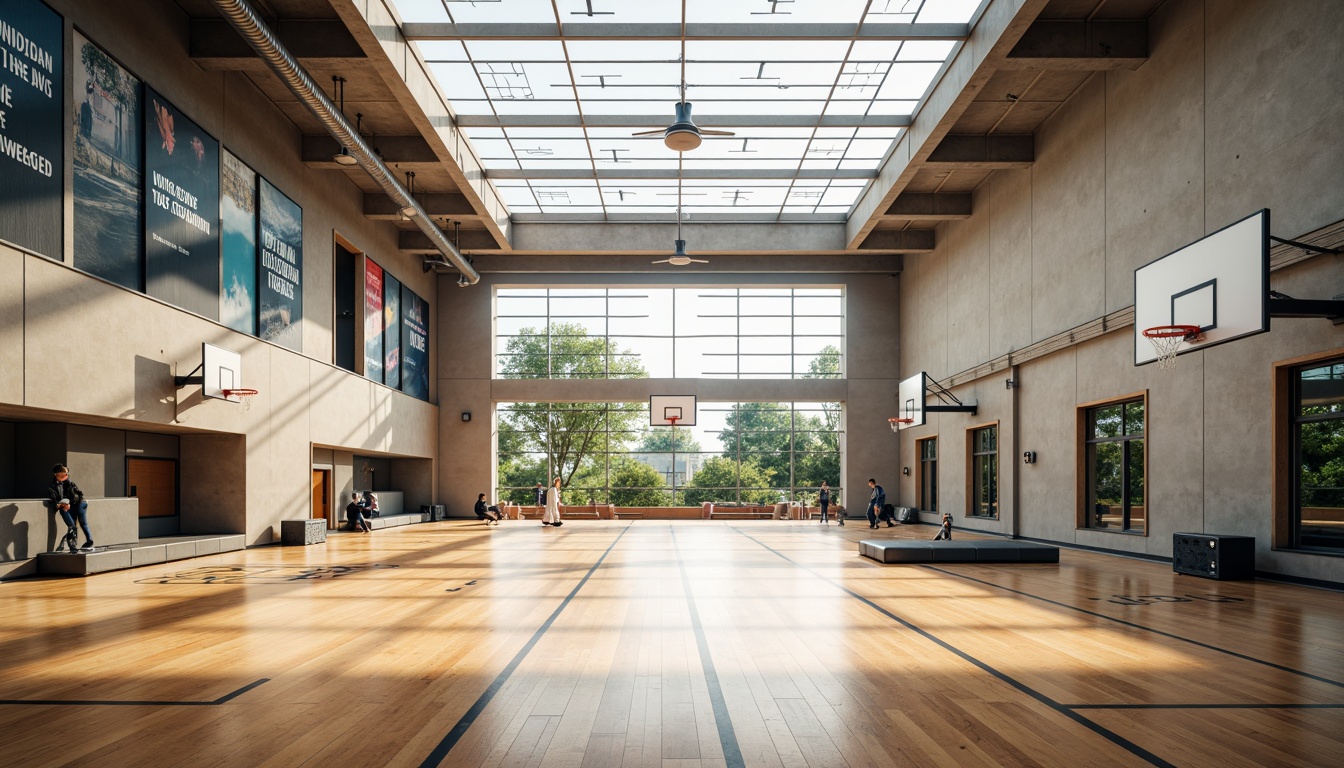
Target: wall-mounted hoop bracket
x=951 y=404
x=192 y=378
x=1306 y=246
x=1281 y=305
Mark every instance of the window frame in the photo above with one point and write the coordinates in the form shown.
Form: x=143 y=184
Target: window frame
x=926 y=469
x=972 y=471
x=1284 y=534
x=1084 y=439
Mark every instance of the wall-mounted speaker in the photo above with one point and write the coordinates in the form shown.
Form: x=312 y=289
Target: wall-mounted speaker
x=1212 y=556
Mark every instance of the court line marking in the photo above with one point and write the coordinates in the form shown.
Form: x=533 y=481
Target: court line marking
x=1135 y=625
x=450 y=740
x=1205 y=706
x=732 y=752
x=1070 y=713
x=226 y=698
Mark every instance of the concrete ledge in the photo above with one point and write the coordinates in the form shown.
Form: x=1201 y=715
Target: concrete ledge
x=147 y=552
x=971 y=551
x=301 y=533
x=392 y=521
x=148 y=555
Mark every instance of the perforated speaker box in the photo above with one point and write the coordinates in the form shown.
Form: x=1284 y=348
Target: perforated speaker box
x=1225 y=558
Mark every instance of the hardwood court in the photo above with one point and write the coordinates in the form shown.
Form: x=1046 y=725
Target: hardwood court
x=666 y=644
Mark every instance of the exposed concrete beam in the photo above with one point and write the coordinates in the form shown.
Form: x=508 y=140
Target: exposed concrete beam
x=437 y=205
x=982 y=153
x=410 y=153
x=775 y=264
x=215 y=45
x=413 y=241
x=1081 y=45
x=930 y=207
x=661 y=121
x=672 y=173
x=505 y=31
x=900 y=241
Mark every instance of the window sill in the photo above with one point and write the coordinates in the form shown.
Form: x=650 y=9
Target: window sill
x=1305 y=551
x=1139 y=534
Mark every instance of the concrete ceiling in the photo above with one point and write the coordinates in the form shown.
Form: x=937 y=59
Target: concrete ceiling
x=1014 y=72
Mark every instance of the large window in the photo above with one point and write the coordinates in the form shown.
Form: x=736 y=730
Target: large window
x=1317 y=483
x=928 y=474
x=984 y=472
x=752 y=453
x=1115 y=468
x=633 y=333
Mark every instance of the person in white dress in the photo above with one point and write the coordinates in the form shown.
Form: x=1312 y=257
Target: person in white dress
x=552 y=515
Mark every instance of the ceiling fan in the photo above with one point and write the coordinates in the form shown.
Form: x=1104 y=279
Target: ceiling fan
x=679 y=257
x=683 y=134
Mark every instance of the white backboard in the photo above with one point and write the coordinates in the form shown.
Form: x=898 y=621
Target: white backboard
x=910 y=396
x=222 y=370
x=1219 y=283
x=663 y=406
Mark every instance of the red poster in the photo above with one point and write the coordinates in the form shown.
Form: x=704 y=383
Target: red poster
x=373 y=320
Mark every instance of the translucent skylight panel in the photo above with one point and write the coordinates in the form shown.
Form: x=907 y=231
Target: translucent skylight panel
x=880 y=108
x=851 y=108
x=820 y=163
x=552 y=149
x=469 y=107
x=739 y=163
x=524 y=133
x=860 y=164
x=515 y=196
x=867 y=148
x=652 y=51
x=836 y=195
x=516 y=50
x=492 y=148
x=567 y=193
x=877 y=133
x=698 y=94
x=486 y=11
x=441 y=50
x=627 y=107
x=747 y=148
x=765 y=11
x=458 y=81
x=874 y=50
x=704 y=108
x=417 y=11
x=908 y=80
x=948 y=11
x=632 y=79
x=765 y=50
x=926 y=50
x=618 y=12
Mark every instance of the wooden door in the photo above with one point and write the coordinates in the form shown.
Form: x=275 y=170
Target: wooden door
x=321 y=497
x=154 y=482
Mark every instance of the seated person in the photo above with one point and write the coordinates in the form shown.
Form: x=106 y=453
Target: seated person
x=944 y=528
x=354 y=512
x=371 y=504
x=70 y=503
x=488 y=514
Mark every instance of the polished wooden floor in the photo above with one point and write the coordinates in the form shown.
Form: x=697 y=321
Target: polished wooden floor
x=670 y=644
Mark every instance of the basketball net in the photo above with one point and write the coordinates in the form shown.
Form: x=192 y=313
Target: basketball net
x=1167 y=341
x=673 y=420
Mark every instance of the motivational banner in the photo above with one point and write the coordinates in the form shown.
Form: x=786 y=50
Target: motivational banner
x=392 y=335
x=106 y=107
x=373 y=320
x=32 y=57
x=181 y=186
x=414 y=344
x=238 y=217
x=280 y=292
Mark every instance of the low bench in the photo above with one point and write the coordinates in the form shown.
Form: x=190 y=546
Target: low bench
x=301 y=533
x=967 y=551
x=741 y=513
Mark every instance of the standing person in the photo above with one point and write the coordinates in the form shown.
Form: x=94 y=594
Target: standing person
x=875 y=502
x=354 y=513
x=540 y=494
x=552 y=515
x=824 y=500
x=69 y=501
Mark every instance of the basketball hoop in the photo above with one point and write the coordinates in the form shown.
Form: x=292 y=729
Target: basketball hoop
x=244 y=396
x=897 y=422
x=1167 y=340
x=673 y=420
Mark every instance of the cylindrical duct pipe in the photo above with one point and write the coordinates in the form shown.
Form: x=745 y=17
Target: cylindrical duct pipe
x=244 y=18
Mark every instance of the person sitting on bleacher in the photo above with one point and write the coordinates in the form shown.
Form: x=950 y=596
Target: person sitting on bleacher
x=354 y=512
x=488 y=514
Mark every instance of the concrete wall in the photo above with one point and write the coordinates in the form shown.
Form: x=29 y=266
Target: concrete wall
x=242 y=469
x=29 y=526
x=466 y=334
x=1136 y=165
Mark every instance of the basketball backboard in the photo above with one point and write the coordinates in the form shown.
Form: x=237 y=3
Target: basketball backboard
x=1219 y=284
x=911 y=394
x=664 y=408
x=222 y=369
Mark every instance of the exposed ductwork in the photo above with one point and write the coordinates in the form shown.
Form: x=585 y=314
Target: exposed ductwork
x=244 y=18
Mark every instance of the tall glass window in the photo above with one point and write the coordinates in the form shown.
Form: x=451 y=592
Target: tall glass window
x=928 y=474
x=748 y=453
x=632 y=333
x=1116 y=487
x=984 y=472
x=1318 y=457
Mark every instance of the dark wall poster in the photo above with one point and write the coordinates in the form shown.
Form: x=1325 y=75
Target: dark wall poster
x=392 y=336
x=414 y=344
x=181 y=209
x=238 y=217
x=32 y=58
x=373 y=320
x=280 y=290
x=106 y=112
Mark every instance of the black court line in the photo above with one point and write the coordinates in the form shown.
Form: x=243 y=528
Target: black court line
x=1205 y=706
x=1068 y=712
x=1135 y=625
x=732 y=753
x=455 y=735
x=226 y=698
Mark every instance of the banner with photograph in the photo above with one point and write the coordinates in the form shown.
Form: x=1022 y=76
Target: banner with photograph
x=106 y=108
x=280 y=289
x=238 y=233
x=181 y=187
x=373 y=320
x=414 y=344
x=392 y=334
x=32 y=60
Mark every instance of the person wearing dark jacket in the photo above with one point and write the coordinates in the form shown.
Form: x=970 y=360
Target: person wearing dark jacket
x=487 y=513
x=824 y=500
x=70 y=503
x=540 y=494
x=875 y=502
x=354 y=512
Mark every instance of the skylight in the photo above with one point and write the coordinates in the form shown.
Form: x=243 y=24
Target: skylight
x=815 y=91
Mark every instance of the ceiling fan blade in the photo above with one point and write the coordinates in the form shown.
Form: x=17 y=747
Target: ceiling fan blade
x=711 y=132
x=699 y=261
x=658 y=132
x=664 y=261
